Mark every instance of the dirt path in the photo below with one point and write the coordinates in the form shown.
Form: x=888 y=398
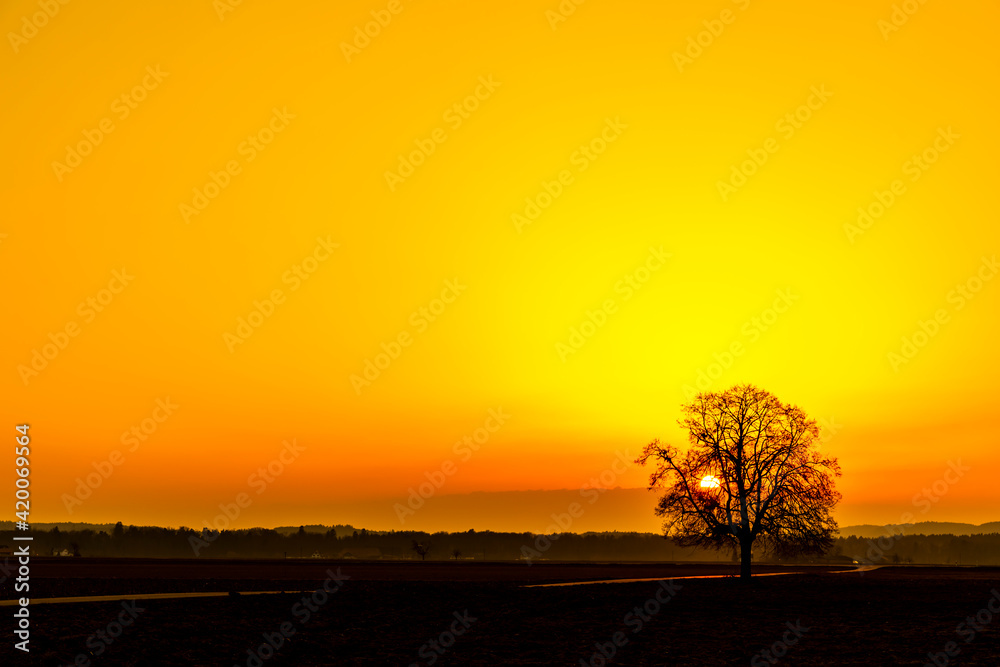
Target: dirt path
x=140 y=596
x=862 y=568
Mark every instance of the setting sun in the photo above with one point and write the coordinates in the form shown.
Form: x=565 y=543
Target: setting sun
x=710 y=482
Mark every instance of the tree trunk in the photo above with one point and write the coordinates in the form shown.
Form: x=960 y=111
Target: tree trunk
x=745 y=553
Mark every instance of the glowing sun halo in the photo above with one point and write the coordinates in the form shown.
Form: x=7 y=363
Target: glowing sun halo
x=710 y=482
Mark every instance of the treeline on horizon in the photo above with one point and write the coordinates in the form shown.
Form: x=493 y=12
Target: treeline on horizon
x=347 y=542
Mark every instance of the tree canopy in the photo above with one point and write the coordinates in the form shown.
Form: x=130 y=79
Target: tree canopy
x=752 y=475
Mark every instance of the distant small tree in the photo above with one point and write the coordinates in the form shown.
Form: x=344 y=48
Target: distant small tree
x=421 y=549
x=456 y=553
x=751 y=475
x=55 y=539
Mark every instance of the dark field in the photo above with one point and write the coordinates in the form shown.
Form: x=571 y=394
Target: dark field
x=388 y=613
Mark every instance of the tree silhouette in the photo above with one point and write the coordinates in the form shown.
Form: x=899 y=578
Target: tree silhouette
x=421 y=549
x=751 y=476
x=456 y=553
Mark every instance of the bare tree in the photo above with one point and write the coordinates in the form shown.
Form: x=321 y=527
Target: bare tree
x=456 y=553
x=421 y=549
x=752 y=475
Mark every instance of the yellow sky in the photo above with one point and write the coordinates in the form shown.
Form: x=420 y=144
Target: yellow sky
x=236 y=210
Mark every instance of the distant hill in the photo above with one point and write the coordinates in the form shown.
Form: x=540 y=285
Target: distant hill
x=341 y=529
x=616 y=500
x=921 y=528
x=64 y=526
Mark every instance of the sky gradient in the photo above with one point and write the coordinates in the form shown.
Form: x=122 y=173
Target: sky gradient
x=493 y=245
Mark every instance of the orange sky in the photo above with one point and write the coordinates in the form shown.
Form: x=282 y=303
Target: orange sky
x=217 y=221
